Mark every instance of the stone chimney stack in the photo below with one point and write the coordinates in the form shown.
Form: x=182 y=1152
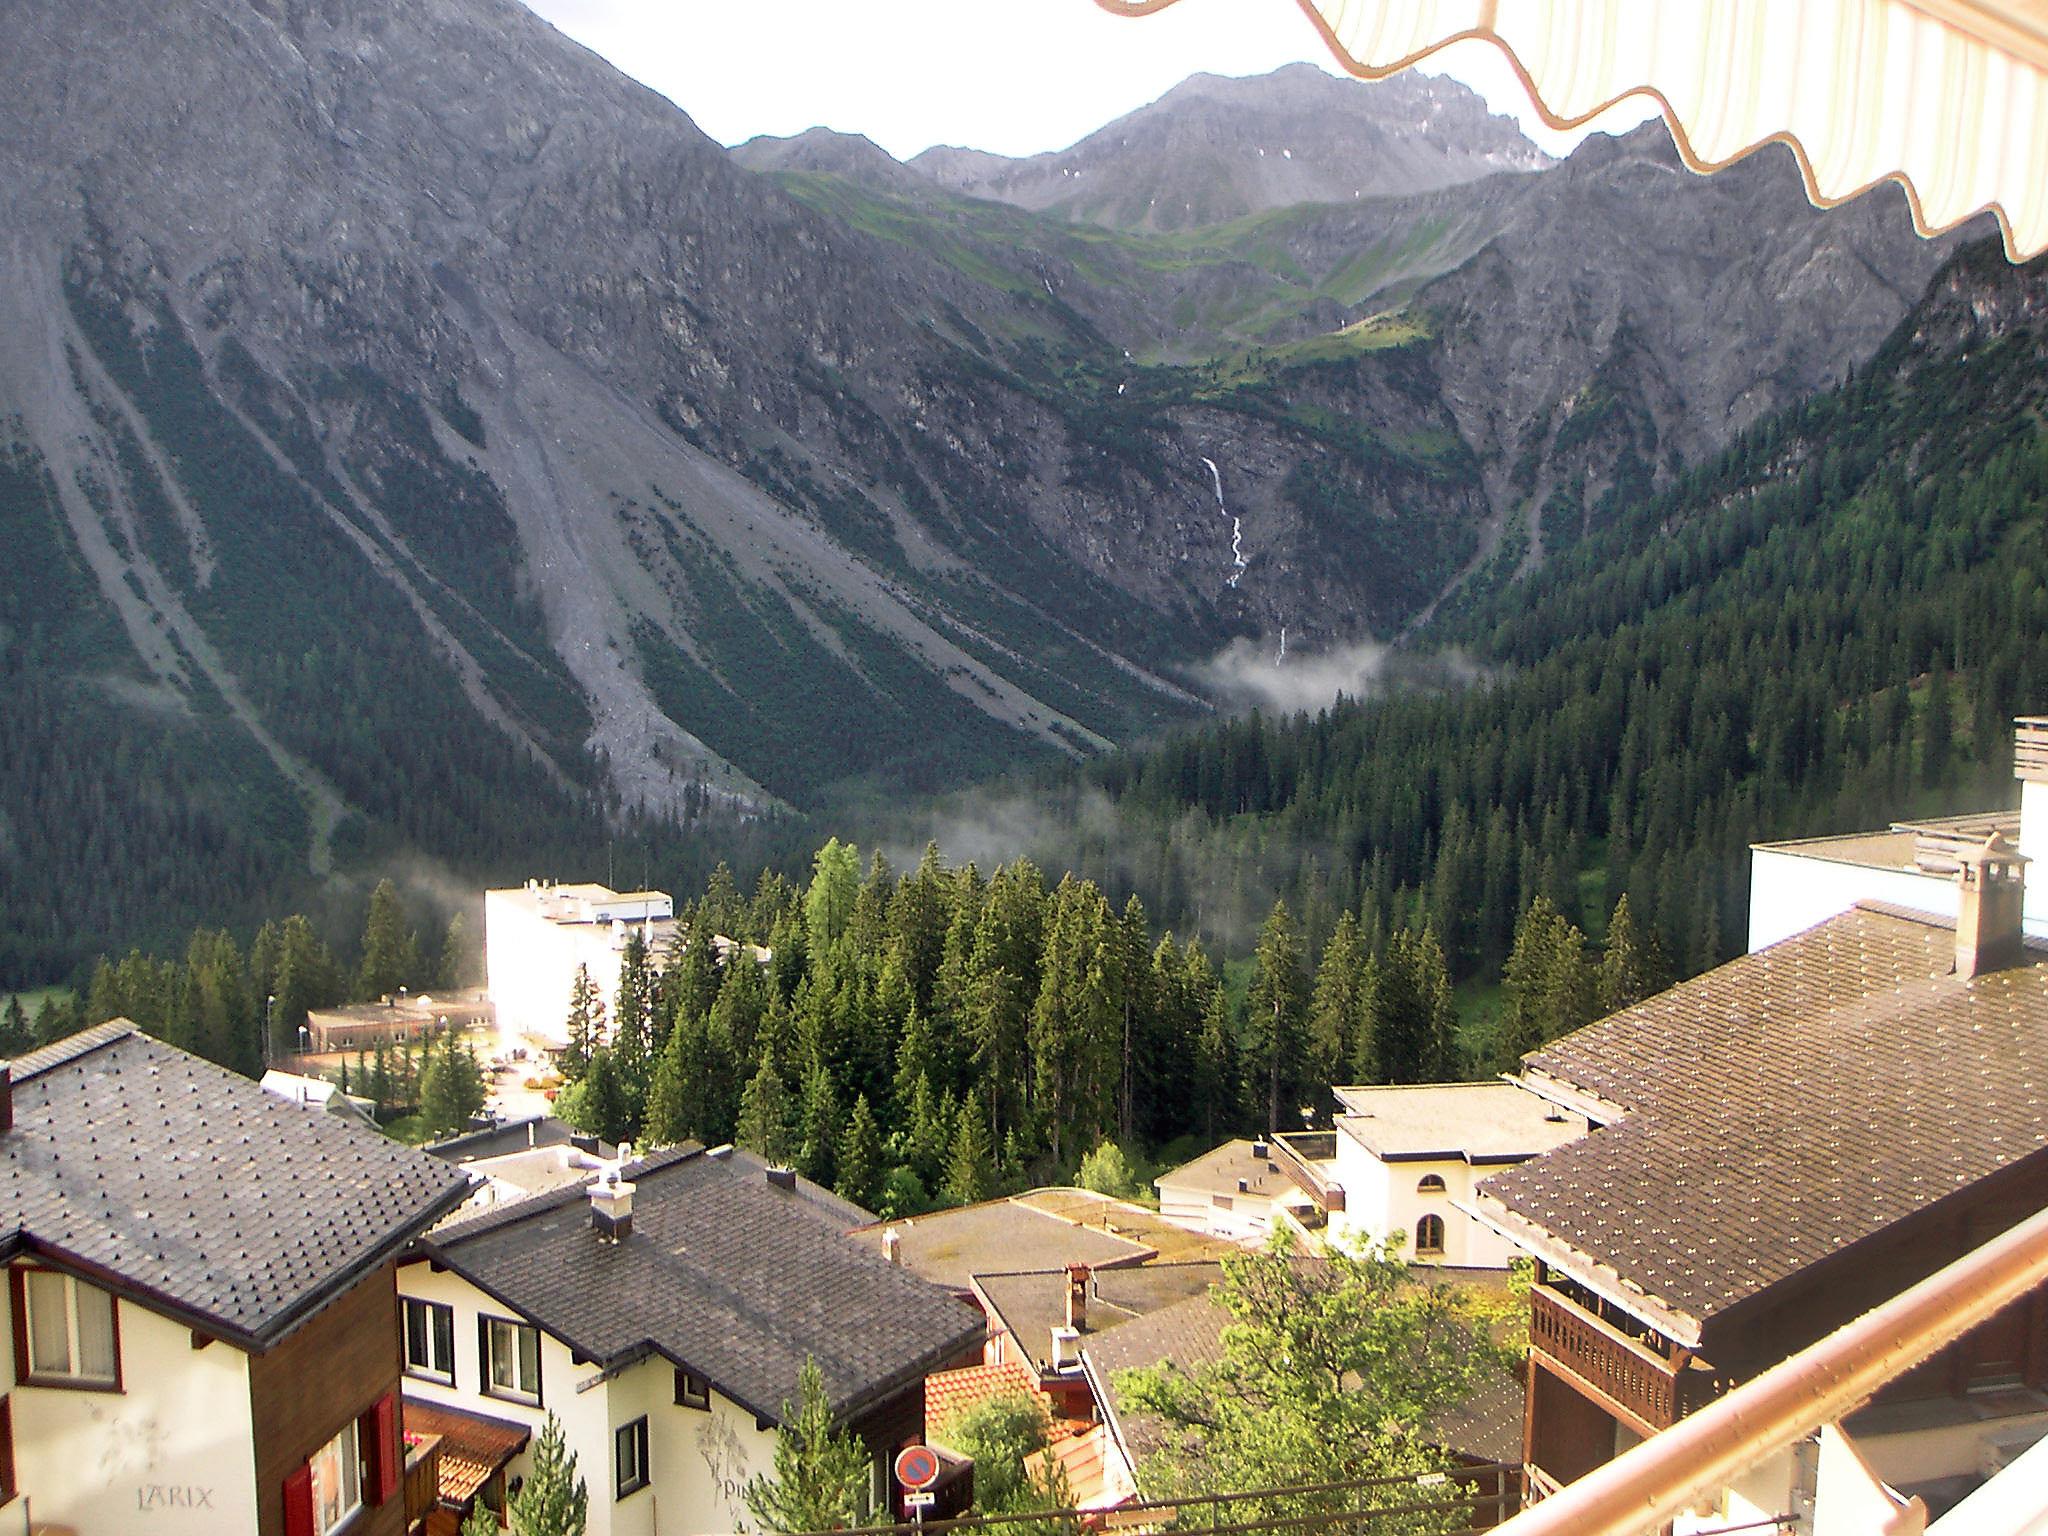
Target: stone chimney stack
x=6 y=1095
x=1989 y=907
x=1077 y=1297
x=892 y=1245
x=611 y=1207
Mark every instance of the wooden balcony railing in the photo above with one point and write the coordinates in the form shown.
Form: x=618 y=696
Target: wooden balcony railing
x=2030 y=748
x=1306 y=1158
x=1632 y=1376
x=422 y=1479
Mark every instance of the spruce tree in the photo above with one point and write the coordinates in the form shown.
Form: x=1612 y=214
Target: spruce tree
x=764 y=1119
x=1275 y=1009
x=1632 y=967
x=820 y=1127
x=585 y=1026
x=391 y=950
x=553 y=1501
x=820 y=1479
x=970 y=1166
x=859 y=1172
x=14 y=1035
x=598 y=1104
x=1337 y=1008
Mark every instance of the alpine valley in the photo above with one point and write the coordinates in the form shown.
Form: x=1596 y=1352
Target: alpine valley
x=418 y=441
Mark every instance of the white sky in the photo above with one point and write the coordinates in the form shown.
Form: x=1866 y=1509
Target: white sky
x=1012 y=76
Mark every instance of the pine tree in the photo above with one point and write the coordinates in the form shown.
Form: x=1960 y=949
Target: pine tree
x=452 y=1088
x=455 y=966
x=1337 y=1008
x=553 y=1501
x=480 y=1521
x=828 y=903
x=633 y=1024
x=860 y=1157
x=764 y=1120
x=1548 y=987
x=820 y=1481
x=970 y=1167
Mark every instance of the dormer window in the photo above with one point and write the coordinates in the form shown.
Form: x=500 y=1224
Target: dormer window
x=1430 y=1184
x=68 y=1335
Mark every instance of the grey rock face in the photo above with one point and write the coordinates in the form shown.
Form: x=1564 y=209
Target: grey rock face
x=689 y=480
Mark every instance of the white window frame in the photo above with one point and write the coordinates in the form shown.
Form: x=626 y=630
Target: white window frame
x=340 y=1459
x=71 y=1374
x=514 y=1390
x=438 y=1319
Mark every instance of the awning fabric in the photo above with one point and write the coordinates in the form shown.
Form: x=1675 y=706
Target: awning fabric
x=1947 y=97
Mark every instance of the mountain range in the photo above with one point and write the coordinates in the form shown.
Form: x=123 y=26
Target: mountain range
x=421 y=440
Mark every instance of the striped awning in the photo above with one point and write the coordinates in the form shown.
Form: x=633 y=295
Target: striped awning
x=1947 y=97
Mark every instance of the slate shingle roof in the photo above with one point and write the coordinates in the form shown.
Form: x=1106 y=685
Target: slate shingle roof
x=1784 y=1106
x=198 y=1191
x=723 y=1272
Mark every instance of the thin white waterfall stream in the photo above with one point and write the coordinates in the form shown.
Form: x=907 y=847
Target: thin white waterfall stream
x=1236 y=525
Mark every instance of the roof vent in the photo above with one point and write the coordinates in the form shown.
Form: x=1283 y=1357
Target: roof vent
x=1989 y=907
x=1261 y=1151
x=782 y=1178
x=1066 y=1349
x=892 y=1245
x=1244 y=1186
x=611 y=1207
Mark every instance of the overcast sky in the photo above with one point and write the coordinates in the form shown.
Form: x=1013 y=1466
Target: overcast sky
x=1012 y=76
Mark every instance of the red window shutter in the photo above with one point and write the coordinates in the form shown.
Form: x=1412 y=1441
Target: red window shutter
x=389 y=1463
x=298 y=1502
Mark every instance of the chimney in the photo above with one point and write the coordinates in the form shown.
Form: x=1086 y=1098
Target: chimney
x=1077 y=1297
x=1066 y=1349
x=6 y=1095
x=1260 y=1151
x=892 y=1245
x=1989 y=907
x=782 y=1178
x=611 y=1207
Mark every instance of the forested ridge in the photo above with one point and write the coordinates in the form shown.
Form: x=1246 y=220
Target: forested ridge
x=1827 y=627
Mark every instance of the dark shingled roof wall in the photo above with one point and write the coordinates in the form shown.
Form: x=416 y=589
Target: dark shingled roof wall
x=723 y=1272
x=195 y=1190
x=1788 y=1104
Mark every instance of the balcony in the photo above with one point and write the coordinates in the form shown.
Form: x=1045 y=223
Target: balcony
x=422 y=1478
x=2030 y=748
x=1629 y=1377
x=1309 y=1158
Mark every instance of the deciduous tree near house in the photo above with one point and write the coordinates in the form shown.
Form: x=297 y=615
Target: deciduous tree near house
x=1334 y=1367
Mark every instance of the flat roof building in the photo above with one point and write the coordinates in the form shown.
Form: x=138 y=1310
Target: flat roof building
x=536 y=936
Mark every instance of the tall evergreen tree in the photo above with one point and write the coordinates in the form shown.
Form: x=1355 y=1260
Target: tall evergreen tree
x=585 y=1025
x=391 y=949
x=766 y=1122
x=1632 y=966
x=1275 y=1011
x=553 y=1500
x=820 y=1476
x=859 y=1172
x=970 y=1166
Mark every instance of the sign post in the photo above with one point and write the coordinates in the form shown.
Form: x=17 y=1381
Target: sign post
x=917 y=1468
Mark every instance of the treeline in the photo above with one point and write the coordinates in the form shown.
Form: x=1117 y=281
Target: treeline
x=1828 y=628
x=938 y=1036
x=217 y=999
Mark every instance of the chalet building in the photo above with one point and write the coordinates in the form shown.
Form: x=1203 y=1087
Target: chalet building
x=200 y=1293
x=1794 y=885
x=663 y=1315
x=1408 y=1157
x=1777 y=1146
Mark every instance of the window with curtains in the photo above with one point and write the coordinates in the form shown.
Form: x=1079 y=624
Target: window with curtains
x=68 y=1330
x=511 y=1358
x=337 y=1481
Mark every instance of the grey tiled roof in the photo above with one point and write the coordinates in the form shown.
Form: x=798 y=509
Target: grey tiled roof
x=723 y=1272
x=196 y=1190
x=1784 y=1106
x=1033 y=1303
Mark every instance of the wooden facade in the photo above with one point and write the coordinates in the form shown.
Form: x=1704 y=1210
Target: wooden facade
x=334 y=1368
x=1599 y=1377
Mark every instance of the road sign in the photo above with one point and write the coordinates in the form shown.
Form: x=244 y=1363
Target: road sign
x=917 y=1466
x=923 y=1499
